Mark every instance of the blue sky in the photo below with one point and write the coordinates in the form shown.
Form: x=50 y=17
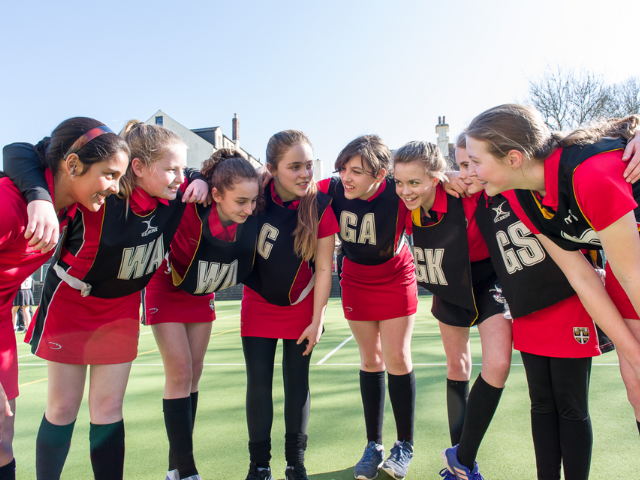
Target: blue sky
x=335 y=70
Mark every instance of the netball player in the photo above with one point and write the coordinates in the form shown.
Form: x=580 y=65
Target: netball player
x=573 y=191
x=213 y=249
x=285 y=298
x=72 y=331
x=379 y=295
x=84 y=161
x=552 y=330
x=452 y=261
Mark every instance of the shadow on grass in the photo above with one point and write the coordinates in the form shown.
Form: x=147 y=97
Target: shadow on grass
x=346 y=474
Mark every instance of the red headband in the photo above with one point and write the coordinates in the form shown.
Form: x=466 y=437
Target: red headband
x=86 y=138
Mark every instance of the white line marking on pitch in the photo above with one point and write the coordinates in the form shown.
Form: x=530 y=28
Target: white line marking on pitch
x=326 y=364
x=334 y=351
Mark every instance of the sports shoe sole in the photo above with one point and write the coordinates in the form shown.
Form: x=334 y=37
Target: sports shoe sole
x=362 y=477
x=392 y=474
x=443 y=455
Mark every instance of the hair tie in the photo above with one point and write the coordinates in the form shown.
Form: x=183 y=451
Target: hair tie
x=86 y=138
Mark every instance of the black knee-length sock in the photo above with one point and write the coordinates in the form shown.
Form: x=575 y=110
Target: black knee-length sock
x=457 y=396
x=194 y=408
x=483 y=402
x=576 y=441
x=402 y=393
x=178 y=421
x=372 y=391
x=107 y=450
x=8 y=471
x=52 y=447
x=545 y=430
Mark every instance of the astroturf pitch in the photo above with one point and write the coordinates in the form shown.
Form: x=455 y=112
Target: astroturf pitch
x=336 y=428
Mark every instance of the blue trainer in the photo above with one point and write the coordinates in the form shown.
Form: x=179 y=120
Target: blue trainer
x=447 y=475
x=367 y=467
x=450 y=459
x=399 y=459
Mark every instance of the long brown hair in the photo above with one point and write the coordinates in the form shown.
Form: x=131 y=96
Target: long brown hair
x=518 y=127
x=148 y=143
x=306 y=232
x=226 y=167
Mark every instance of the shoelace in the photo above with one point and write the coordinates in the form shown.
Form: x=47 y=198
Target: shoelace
x=368 y=453
x=399 y=453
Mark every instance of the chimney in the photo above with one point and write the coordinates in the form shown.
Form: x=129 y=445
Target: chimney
x=442 y=129
x=235 y=127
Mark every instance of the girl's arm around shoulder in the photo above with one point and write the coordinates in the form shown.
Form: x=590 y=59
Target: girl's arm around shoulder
x=195 y=188
x=587 y=284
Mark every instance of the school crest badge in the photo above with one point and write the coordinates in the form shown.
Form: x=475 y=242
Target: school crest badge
x=213 y=307
x=581 y=334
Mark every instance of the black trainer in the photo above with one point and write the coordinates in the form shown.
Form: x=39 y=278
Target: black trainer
x=297 y=472
x=256 y=473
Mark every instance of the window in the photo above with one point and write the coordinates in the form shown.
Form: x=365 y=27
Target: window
x=159 y=121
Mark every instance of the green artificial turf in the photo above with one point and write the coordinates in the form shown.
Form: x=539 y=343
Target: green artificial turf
x=336 y=428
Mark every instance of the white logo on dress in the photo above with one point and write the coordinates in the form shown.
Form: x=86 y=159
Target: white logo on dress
x=55 y=346
x=588 y=236
x=153 y=310
x=149 y=229
x=500 y=215
x=570 y=218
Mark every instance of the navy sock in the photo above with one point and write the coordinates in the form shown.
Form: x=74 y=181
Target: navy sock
x=52 y=447
x=107 y=450
x=483 y=403
x=260 y=453
x=295 y=445
x=372 y=391
x=457 y=396
x=402 y=393
x=8 y=471
x=178 y=422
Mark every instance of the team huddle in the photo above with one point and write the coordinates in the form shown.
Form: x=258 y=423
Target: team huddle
x=534 y=240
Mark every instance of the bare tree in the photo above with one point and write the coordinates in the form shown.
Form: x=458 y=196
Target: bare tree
x=626 y=98
x=567 y=99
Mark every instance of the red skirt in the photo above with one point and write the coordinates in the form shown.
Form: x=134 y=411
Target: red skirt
x=259 y=318
x=8 y=356
x=380 y=292
x=563 y=330
x=86 y=330
x=619 y=296
x=166 y=303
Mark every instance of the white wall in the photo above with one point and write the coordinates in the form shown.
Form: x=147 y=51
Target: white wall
x=199 y=149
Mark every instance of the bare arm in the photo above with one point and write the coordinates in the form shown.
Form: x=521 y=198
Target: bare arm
x=587 y=284
x=321 y=291
x=5 y=408
x=622 y=247
x=632 y=172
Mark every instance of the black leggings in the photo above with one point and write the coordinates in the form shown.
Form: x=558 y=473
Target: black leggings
x=560 y=422
x=259 y=355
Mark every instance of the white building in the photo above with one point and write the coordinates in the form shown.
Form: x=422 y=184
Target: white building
x=202 y=142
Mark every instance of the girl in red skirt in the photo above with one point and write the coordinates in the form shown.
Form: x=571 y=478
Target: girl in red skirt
x=84 y=161
x=285 y=298
x=379 y=295
x=213 y=249
x=89 y=312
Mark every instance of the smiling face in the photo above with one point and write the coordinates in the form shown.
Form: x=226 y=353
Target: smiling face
x=468 y=177
x=292 y=177
x=414 y=186
x=90 y=185
x=493 y=175
x=357 y=182
x=163 y=178
x=237 y=203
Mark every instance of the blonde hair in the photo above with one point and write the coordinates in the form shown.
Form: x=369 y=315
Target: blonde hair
x=522 y=128
x=148 y=143
x=426 y=154
x=306 y=232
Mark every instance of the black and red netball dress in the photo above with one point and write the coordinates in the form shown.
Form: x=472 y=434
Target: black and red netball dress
x=378 y=264
x=281 y=280
x=549 y=318
x=205 y=257
x=571 y=213
x=17 y=262
x=452 y=261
